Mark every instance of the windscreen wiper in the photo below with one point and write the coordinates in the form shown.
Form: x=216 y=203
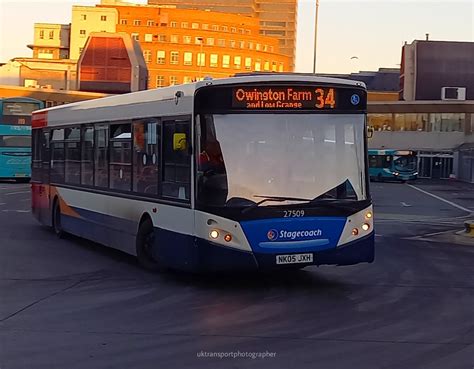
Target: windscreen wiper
x=272 y=198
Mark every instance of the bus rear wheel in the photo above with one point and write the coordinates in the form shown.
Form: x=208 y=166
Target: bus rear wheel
x=144 y=246
x=57 y=226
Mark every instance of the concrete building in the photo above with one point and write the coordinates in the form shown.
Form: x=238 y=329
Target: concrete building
x=277 y=17
x=51 y=41
x=437 y=70
x=435 y=129
x=87 y=19
x=57 y=74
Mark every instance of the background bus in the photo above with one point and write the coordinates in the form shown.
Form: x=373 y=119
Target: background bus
x=245 y=173
x=400 y=165
x=15 y=137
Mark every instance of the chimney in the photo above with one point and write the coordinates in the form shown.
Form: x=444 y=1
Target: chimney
x=427 y=36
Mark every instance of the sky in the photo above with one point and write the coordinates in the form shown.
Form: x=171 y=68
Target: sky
x=353 y=35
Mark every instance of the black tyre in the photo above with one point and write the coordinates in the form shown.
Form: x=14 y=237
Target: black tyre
x=144 y=245
x=57 y=226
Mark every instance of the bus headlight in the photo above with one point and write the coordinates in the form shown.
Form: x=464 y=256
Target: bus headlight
x=214 y=234
x=365 y=226
x=395 y=173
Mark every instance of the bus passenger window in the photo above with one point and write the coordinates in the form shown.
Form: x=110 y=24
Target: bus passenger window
x=120 y=157
x=87 y=156
x=57 y=156
x=176 y=181
x=101 y=170
x=73 y=155
x=145 y=156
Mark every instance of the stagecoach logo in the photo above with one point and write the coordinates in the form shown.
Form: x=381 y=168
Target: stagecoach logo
x=355 y=99
x=272 y=234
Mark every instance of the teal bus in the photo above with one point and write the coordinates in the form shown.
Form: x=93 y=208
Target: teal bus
x=15 y=137
x=389 y=164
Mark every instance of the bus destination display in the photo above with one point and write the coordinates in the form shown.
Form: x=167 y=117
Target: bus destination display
x=286 y=98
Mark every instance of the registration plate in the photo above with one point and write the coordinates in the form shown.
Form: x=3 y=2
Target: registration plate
x=294 y=259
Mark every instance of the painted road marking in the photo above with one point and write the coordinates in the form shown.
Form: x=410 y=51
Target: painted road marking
x=15 y=193
x=25 y=200
x=441 y=199
x=16 y=211
x=2 y=203
x=405 y=204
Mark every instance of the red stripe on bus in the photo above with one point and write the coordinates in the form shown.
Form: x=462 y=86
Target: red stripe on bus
x=39 y=120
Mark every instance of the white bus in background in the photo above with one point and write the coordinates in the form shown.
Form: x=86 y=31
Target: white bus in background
x=245 y=173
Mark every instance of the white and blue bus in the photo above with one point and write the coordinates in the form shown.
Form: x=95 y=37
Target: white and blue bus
x=390 y=164
x=245 y=173
x=15 y=137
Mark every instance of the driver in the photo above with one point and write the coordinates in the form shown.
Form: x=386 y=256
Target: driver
x=210 y=158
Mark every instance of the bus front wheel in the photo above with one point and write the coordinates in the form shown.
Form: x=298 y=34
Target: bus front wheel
x=145 y=244
x=57 y=227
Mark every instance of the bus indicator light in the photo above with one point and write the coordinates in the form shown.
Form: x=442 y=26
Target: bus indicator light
x=355 y=231
x=228 y=237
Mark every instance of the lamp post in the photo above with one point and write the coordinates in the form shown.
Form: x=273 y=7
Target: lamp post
x=315 y=35
x=201 y=39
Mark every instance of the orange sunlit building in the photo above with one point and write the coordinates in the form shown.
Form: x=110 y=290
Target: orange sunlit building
x=182 y=45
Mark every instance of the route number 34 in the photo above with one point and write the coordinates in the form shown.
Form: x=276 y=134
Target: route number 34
x=325 y=98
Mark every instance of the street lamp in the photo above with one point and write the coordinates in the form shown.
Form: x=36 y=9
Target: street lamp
x=201 y=40
x=315 y=35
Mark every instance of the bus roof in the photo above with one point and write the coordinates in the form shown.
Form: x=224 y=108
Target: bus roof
x=80 y=110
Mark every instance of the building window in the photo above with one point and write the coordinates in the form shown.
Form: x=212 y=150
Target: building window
x=187 y=39
x=148 y=37
x=150 y=23
x=224 y=29
x=232 y=43
x=174 y=57
x=80 y=50
x=173 y=80
x=103 y=18
x=41 y=34
x=251 y=45
x=187 y=79
x=147 y=55
x=258 y=47
x=247 y=31
x=265 y=48
x=160 y=81
x=241 y=31
x=160 y=57
x=237 y=62
x=174 y=39
x=82 y=33
x=242 y=44
x=233 y=29
x=184 y=25
x=136 y=36
x=266 y=66
x=83 y=17
x=173 y=24
x=51 y=35
x=226 y=61
x=162 y=38
x=280 y=67
x=205 y=26
x=123 y=22
x=198 y=40
x=248 y=63
x=221 y=42
x=195 y=25
x=214 y=60
x=188 y=58
x=201 y=59
x=210 y=41
x=137 y=22
x=215 y=27
x=274 y=66
x=258 y=65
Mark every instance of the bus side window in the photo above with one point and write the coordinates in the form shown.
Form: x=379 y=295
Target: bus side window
x=146 y=160
x=101 y=145
x=57 y=156
x=36 y=160
x=176 y=180
x=387 y=163
x=372 y=161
